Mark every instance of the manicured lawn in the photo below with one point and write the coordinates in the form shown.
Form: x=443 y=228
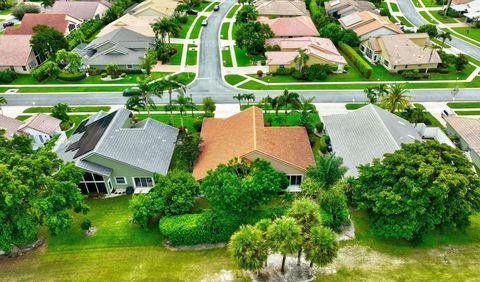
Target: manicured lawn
x=105 y=88
x=427 y=17
x=236 y=26
x=224 y=31
x=186 y=77
x=394 y=7
x=245 y=60
x=473 y=33
x=430 y=3
x=232 y=11
x=211 y=6
x=196 y=29
x=177 y=58
x=165 y=118
x=96 y=79
x=464 y=105
x=78 y=109
x=440 y=43
x=293 y=119
x=404 y=21
x=5 y=12
x=440 y=16
x=355 y=106
x=416 y=3
x=191 y=55
x=468 y=113
x=227 y=58
x=233 y=79
x=186 y=27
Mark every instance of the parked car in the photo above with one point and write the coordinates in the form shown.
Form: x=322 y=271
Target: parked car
x=192 y=12
x=216 y=8
x=448 y=112
x=7 y=24
x=131 y=91
x=204 y=23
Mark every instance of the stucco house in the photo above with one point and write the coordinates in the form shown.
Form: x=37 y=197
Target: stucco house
x=61 y=22
x=342 y=8
x=127 y=21
x=39 y=127
x=367 y=24
x=117 y=153
x=81 y=9
x=281 y=8
x=320 y=51
x=291 y=27
x=468 y=131
x=245 y=136
x=153 y=9
x=17 y=54
x=400 y=52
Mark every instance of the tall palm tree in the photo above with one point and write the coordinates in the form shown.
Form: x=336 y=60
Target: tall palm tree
x=444 y=35
x=148 y=90
x=248 y=97
x=182 y=104
x=397 y=98
x=135 y=103
x=275 y=104
x=3 y=102
x=302 y=58
x=239 y=97
x=161 y=28
x=170 y=84
x=288 y=99
x=382 y=90
x=306 y=108
x=266 y=101
x=371 y=94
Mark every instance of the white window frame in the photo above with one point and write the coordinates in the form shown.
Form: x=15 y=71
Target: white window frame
x=122 y=177
x=290 y=182
x=128 y=67
x=135 y=184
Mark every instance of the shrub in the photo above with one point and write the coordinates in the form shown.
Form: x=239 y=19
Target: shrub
x=104 y=74
x=72 y=76
x=197 y=125
x=275 y=47
x=21 y=9
x=319 y=126
x=323 y=146
x=7 y=76
x=363 y=67
x=284 y=71
x=299 y=75
x=318 y=72
x=259 y=73
x=86 y=224
x=134 y=71
x=123 y=75
x=183 y=19
x=48 y=69
x=112 y=70
x=65 y=125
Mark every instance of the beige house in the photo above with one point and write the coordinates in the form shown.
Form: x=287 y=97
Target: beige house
x=281 y=8
x=401 y=51
x=17 y=54
x=468 y=131
x=367 y=24
x=153 y=9
x=319 y=50
x=341 y=8
x=138 y=25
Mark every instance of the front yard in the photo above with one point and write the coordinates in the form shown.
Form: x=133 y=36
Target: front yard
x=473 y=33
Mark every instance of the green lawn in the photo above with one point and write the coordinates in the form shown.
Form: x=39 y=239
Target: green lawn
x=232 y=11
x=73 y=109
x=196 y=29
x=165 y=118
x=76 y=121
x=355 y=106
x=224 y=31
x=431 y=3
x=96 y=79
x=5 y=12
x=236 y=26
x=186 y=27
x=394 y=7
x=464 y=105
x=177 y=58
x=440 y=17
x=468 y=113
x=192 y=55
x=470 y=32
x=293 y=119
x=227 y=58
x=440 y=43
x=211 y=6
x=427 y=17
x=245 y=60
x=233 y=79
x=416 y=3
x=404 y=21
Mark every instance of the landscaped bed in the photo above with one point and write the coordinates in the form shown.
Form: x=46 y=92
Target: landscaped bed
x=464 y=105
x=165 y=118
x=468 y=113
x=95 y=79
x=79 y=109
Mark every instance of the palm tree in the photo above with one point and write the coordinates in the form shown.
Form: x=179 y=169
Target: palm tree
x=444 y=35
x=287 y=99
x=284 y=236
x=135 y=103
x=3 y=102
x=248 y=248
x=302 y=58
x=148 y=90
x=371 y=94
x=182 y=103
x=397 y=98
x=266 y=101
x=171 y=83
x=306 y=108
x=47 y=3
x=166 y=26
x=248 y=97
x=382 y=89
x=322 y=246
x=239 y=97
x=327 y=170
x=275 y=104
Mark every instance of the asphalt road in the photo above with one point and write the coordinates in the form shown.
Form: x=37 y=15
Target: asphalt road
x=408 y=9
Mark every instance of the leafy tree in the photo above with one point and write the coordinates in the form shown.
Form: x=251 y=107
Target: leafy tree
x=349 y=37
x=327 y=170
x=334 y=203
x=247 y=14
x=306 y=213
x=171 y=83
x=252 y=37
x=421 y=187
x=460 y=62
x=48 y=3
x=38 y=189
x=332 y=31
x=47 y=41
x=21 y=9
x=248 y=97
x=149 y=61
x=239 y=187
x=112 y=70
x=288 y=99
x=284 y=236
x=208 y=106
x=397 y=98
x=430 y=29
x=311 y=188
x=306 y=108
x=173 y=194
x=187 y=150
x=248 y=248
x=318 y=71
x=322 y=246
x=61 y=111
x=47 y=70
x=72 y=60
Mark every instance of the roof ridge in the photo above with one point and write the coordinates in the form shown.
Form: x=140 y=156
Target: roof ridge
x=100 y=141
x=374 y=109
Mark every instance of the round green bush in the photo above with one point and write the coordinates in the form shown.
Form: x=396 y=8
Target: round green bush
x=86 y=224
x=197 y=125
x=104 y=74
x=319 y=126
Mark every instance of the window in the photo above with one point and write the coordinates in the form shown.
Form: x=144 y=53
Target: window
x=41 y=139
x=386 y=63
x=362 y=48
x=120 y=180
x=92 y=182
x=406 y=66
x=143 y=182
x=24 y=68
x=129 y=67
x=369 y=53
x=295 y=179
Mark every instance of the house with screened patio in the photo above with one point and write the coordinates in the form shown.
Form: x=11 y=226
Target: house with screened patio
x=116 y=152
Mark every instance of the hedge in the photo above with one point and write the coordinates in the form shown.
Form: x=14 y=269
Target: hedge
x=314 y=9
x=363 y=67
x=7 y=76
x=208 y=227
x=72 y=76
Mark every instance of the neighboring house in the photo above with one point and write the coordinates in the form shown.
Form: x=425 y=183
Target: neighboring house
x=400 y=52
x=244 y=136
x=281 y=8
x=366 y=24
x=17 y=54
x=122 y=47
x=153 y=9
x=470 y=10
x=39 y=127
x=129 y=22
x=363 y=135
x=59 y=21
x=81 y=9
x=291 y=27
x=319 y=50
x=468 y=131
x=117 y=153
x=342 y=8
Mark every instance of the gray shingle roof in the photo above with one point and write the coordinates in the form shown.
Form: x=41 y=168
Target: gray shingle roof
x=367 y=133
x=146 y=145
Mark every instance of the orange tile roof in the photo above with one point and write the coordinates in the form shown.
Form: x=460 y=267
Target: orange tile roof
x=244 y=133
x=291 y=26
x=57 y=21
